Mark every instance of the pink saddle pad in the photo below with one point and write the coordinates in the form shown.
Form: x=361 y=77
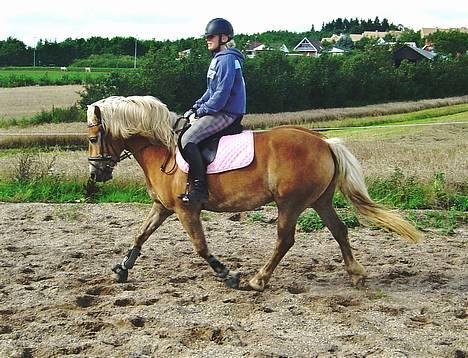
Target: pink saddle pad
x=234 y=152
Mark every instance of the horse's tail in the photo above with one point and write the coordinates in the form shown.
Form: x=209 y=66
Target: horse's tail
x=351 y=183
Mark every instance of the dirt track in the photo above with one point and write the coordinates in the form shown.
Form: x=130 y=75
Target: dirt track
x=57 y=297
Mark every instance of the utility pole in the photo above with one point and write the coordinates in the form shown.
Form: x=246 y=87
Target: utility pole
x=34 y=56
x=134 y=61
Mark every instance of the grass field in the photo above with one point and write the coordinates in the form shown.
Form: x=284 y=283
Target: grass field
x=27 y=76
x=13 y=77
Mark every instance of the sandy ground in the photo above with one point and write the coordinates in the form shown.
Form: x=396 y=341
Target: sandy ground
x=25 y=101
x=57 y=297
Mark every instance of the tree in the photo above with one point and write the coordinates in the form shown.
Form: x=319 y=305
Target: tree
x=345 y=43
x=450 y=42
x=410 y=35
x=14 y=52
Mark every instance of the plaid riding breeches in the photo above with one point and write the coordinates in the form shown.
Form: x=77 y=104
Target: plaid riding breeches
x=205 y=127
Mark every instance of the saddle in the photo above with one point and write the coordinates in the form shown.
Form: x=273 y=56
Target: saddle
x=209 y=147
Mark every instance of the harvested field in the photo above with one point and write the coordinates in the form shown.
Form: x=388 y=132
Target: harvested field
x=419 y=151
x=26 y=101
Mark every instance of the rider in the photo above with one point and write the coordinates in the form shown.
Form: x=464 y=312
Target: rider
x=220 y=106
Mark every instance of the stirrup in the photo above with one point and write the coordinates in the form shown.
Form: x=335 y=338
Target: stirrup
x=185 y=195
x=193 y=196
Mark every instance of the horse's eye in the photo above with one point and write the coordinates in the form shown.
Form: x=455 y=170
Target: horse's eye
x=93 y=139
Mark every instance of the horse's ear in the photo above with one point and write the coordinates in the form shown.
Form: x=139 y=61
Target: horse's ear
x=97 y=112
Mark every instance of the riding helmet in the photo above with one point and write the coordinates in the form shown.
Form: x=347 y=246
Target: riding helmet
x=219 y=26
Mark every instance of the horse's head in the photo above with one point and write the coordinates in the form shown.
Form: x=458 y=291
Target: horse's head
x=103 y=152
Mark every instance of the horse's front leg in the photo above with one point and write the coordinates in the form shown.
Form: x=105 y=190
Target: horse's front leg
x=154 y=219
x=190 y=219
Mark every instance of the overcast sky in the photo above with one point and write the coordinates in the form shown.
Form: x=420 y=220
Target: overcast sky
x=31 y=20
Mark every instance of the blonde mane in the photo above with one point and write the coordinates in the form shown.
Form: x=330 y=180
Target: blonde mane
x=124 y=117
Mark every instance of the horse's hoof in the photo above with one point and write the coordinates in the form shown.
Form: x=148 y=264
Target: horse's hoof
x=120 y=274
x=257 y=285
x=359 y=281
x=232 y=280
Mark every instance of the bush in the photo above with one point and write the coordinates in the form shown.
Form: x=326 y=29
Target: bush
x=310 y=221
x=279 y=83
x=56 y=115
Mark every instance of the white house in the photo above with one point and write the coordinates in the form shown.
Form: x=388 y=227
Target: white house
x=308 y=47
x=336 y=51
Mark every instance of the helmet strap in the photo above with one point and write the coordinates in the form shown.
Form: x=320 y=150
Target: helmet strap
x=220 y=43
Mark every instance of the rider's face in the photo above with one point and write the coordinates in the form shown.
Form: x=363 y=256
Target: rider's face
x=212 y=41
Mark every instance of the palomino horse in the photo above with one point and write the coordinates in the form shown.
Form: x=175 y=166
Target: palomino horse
x=294 y=167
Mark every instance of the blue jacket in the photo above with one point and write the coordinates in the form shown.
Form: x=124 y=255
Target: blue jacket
x=225 y=85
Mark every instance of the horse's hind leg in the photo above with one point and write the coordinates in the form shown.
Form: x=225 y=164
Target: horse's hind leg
x=287 y=218
x=324 y=208
x=155 y=218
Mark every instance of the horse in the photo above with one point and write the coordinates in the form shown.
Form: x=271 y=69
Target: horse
x=293 y=167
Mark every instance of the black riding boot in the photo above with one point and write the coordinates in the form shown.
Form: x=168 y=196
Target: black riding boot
x=197 y=173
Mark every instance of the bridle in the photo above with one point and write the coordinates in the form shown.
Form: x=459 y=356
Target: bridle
x=112 y=161
x=103 y=155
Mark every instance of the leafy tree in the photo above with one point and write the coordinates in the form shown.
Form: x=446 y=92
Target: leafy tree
x=268 y=82
x=345 y=43
x=410 y=35
x=450 y=42
x=14 y=52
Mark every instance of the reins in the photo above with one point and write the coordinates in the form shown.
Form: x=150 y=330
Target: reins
x=177 y=132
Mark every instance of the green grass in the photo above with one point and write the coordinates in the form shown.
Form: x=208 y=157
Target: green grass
x=256 y=216
x=52 y=189
x=309 y=221
x=406 y=192
x=446 y=220
x=456 y=113
x=43 y=76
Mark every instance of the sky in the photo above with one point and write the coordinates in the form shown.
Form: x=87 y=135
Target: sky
x=32 y=20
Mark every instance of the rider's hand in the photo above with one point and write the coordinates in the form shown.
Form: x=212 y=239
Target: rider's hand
x=190 y=112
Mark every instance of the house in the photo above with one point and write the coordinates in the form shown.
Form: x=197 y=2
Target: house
x=355 y=37
x=255 y=46
x=184 y=53
x=336 y=51
x=428 y=46
x=381 y=34
x=410 y=53
x=252 y=47
x=426 y=31
x=333 y=39
x=308 y=47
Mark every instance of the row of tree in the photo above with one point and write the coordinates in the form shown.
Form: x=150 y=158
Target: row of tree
x=14 y=52
x=277 y=83
x=358 y=26
x=98 y=52
x=52 y=53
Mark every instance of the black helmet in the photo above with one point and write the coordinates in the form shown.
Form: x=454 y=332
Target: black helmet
x=219 y=26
